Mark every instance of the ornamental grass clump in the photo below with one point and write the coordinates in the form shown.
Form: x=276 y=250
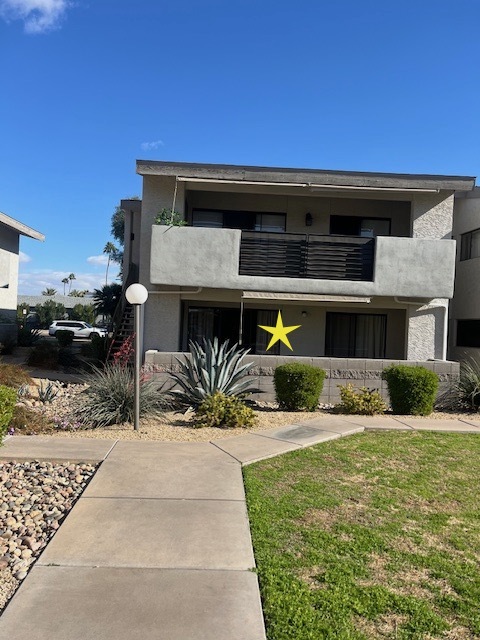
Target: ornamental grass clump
x=212 y=368
x=298 y=386
x=412 y=390
x=109 y=398
x=226 y=412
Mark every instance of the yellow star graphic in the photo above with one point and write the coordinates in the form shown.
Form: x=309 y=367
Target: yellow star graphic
x=279 y=332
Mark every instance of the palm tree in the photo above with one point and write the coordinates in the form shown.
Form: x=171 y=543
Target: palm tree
x=106 y=299
x=70 y=278
x=49 y=291
x=75 y=293
x=65 y=281
x=112 y=252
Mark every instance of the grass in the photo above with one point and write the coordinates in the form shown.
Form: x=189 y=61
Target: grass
x=372 y=536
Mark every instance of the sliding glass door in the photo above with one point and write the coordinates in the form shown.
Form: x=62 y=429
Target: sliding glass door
x=355 y=335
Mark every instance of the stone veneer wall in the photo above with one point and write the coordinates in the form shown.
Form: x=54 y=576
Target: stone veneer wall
x=340 y=371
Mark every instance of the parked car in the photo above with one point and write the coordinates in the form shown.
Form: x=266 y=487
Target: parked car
x=80 y=329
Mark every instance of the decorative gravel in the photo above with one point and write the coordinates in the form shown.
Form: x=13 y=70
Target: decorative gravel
x=34 y=499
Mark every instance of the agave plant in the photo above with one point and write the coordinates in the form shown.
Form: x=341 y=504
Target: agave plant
x=211 y=369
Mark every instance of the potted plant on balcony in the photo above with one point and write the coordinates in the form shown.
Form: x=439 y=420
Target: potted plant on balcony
x=170 y=218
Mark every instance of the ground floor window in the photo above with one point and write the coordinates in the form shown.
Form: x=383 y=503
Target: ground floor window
x=224 y=323
x=355 y=335
x=468 y=333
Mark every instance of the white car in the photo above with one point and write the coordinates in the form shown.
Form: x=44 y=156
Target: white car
x=80 y=329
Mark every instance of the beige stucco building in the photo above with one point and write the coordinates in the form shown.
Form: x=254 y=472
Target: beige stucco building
x=364 y=262
x=10 y=232
x=464 y=332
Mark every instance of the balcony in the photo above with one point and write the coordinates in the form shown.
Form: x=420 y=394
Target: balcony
x=293 y=255
x=290 y=263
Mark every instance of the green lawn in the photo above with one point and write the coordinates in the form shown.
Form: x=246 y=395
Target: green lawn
x=372 y=536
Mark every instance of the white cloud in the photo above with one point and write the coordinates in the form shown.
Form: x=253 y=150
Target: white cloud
x=34 y=282
x=23 y=257
x=149 y=146
x=39 y=16
x=102 y=260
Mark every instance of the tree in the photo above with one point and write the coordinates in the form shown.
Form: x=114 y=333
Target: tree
x=71 y=277
x=118 y=224
x=85 y=313
x=112 y=252
x=106 y=299
x=49 y=291
x=48 y=312
x=65 y=281
x=75 y=293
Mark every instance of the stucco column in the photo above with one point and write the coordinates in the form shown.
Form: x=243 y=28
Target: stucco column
x=426 y=330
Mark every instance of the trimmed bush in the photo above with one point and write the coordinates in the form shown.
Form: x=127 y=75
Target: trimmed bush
x=229 y=412
x=363 y=401
x=44 y=355
x=298 y=386
x=412 y=389
x=64 y=337
x=8 y=398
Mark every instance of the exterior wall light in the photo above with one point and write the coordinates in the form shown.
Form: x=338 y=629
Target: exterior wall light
x=136 y=295
x=308 y=220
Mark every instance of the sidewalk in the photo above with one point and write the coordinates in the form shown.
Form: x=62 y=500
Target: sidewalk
x=158 y=546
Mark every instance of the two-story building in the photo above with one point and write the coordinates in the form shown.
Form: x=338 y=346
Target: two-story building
x=363 y=262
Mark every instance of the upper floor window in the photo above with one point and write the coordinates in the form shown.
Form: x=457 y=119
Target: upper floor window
x=358 y=226
x=470 y=245
x=245 y=220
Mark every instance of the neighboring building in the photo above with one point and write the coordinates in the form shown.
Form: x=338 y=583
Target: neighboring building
x=363 y=261
x=465 y=307
x=10 y=232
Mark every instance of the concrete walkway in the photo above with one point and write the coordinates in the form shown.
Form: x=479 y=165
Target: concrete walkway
x=158 y=547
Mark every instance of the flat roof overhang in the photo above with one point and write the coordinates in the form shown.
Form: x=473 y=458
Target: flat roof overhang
x=20 y=228
x=308 y=179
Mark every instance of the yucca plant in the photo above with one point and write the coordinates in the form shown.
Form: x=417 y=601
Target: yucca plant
x=109 y=398
x=211 y=369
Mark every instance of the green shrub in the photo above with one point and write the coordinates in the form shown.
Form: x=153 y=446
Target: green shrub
x=44 y=355
x=412 y=389
x=229 y=412
x=109 y=398
x=27 y=337
x=97 y=349
x=363 y=401
x=13 y=375
x=8 y=398
x=64 y=337
x=298 y=386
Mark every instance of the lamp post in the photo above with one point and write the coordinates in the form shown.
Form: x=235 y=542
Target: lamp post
x=136 y=295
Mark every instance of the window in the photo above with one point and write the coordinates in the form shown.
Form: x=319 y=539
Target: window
x=224 y=324
x=355 y=335
x=357 y=226
x=245 y=220
x=468 y=333
x=470 y=245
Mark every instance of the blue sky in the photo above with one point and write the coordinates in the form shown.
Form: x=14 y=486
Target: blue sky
x=90 y=86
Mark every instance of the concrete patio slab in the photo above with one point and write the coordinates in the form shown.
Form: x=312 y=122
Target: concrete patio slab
x=434 y=424
x=302 y=434
x=168 y=470
x=338 y=425
x=250 y=448
x=134 y=604
x=55 y=449
x=177 y=534
x=380 y=422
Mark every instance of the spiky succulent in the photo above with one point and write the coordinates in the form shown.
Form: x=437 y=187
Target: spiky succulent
x=211 y=369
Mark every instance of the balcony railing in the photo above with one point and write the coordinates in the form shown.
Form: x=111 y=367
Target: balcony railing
x=293 y=255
